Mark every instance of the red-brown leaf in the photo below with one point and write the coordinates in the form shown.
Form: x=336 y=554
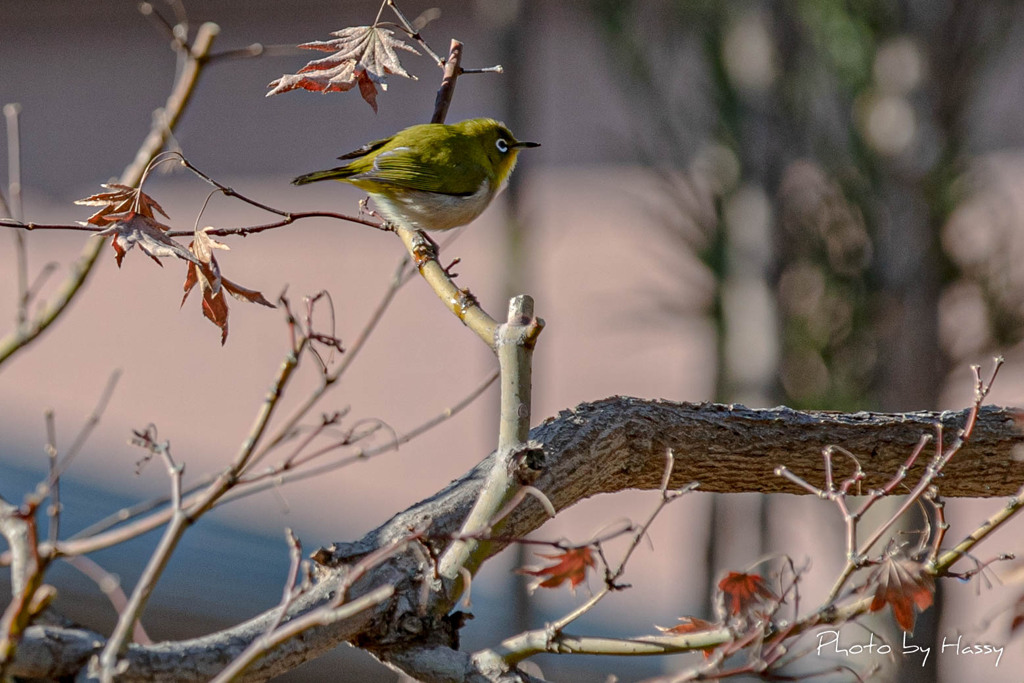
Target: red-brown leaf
x=744 y=591
x=367 y=88
x=205 y=272
x=243 y=294
x=570 y=566
x=118 y=204
x=363 y=56
x=903 y=584
x=690 y=625
x=133 y=229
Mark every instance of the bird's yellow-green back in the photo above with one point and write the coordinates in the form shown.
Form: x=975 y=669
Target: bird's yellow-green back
x=432 y=157
x=432 y=176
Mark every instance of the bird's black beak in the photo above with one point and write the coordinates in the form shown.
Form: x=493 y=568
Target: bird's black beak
x=527 y=144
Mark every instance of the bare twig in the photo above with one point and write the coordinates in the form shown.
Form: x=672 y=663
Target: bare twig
x=11 y=114
x=452 y=70
x=30 y=596
x=946 y=560
x=287 y=217
x=107 y=666
x=514 y=343
x=110 y=585
x=411 y=30
x=256 y=50
x=179 y=37
x=53 y=478
x=87 y=428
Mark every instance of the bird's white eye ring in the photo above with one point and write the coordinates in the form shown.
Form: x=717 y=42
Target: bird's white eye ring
x=502 y=145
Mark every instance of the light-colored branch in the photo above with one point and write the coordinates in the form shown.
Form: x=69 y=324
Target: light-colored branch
x=536 y=642
x=1011 y=509
x=164 y=123
x=29 y=596
x=320 y=617
x=459 y=301
x=514 y=340
x=110 y=585
x=15 y=531
x=108 y=663
x=11 y=114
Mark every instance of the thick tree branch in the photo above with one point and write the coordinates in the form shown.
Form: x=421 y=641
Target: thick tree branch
x=599 y=447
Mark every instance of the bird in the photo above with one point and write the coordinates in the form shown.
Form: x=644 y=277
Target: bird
x=432 y=176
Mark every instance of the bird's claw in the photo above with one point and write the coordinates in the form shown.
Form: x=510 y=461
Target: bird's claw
x=448 y=268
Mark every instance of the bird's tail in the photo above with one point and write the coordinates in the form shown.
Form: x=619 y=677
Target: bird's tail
x=339 y=173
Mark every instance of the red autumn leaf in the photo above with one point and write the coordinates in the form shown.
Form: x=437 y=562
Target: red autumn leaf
x=129 y=215
x=136 y=229
x=119 y=204
x=690 y=625
x=743 y=591
x=204 y=271
x=902 y=583
x=570 y=566
x=363 y=56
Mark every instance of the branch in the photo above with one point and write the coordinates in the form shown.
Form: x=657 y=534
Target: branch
x=459 y=301
x=514 y=343
x=600 y=447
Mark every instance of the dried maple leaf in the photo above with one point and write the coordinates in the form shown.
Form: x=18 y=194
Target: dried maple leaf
x=744 y=591
x=904 y=584
x=363 y=56
x=690 y=625
x=137 y=229
x=571 y=566
x=204 y=271
x=119 y=203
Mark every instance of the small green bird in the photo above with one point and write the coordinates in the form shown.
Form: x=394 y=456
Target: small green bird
x=433 y=176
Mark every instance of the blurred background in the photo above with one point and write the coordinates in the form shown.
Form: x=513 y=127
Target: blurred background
x=813 y=203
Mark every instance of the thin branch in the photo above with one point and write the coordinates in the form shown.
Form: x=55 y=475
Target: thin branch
x=53 y=478
x=256 y=50
x=452 y=70
x=11 y=114
x=412 y=31
x=459 y=301
x=338 y=608
x=288 y=217
x=87 y=428
x=1010 y=510
x=107 y=665
x=110 y=585
x=179 y=39
x=514 y=342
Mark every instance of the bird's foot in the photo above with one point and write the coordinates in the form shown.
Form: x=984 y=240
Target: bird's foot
x=365 y=210
x=448 y=268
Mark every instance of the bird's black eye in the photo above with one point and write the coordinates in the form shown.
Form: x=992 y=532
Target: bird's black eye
x=502 y=145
